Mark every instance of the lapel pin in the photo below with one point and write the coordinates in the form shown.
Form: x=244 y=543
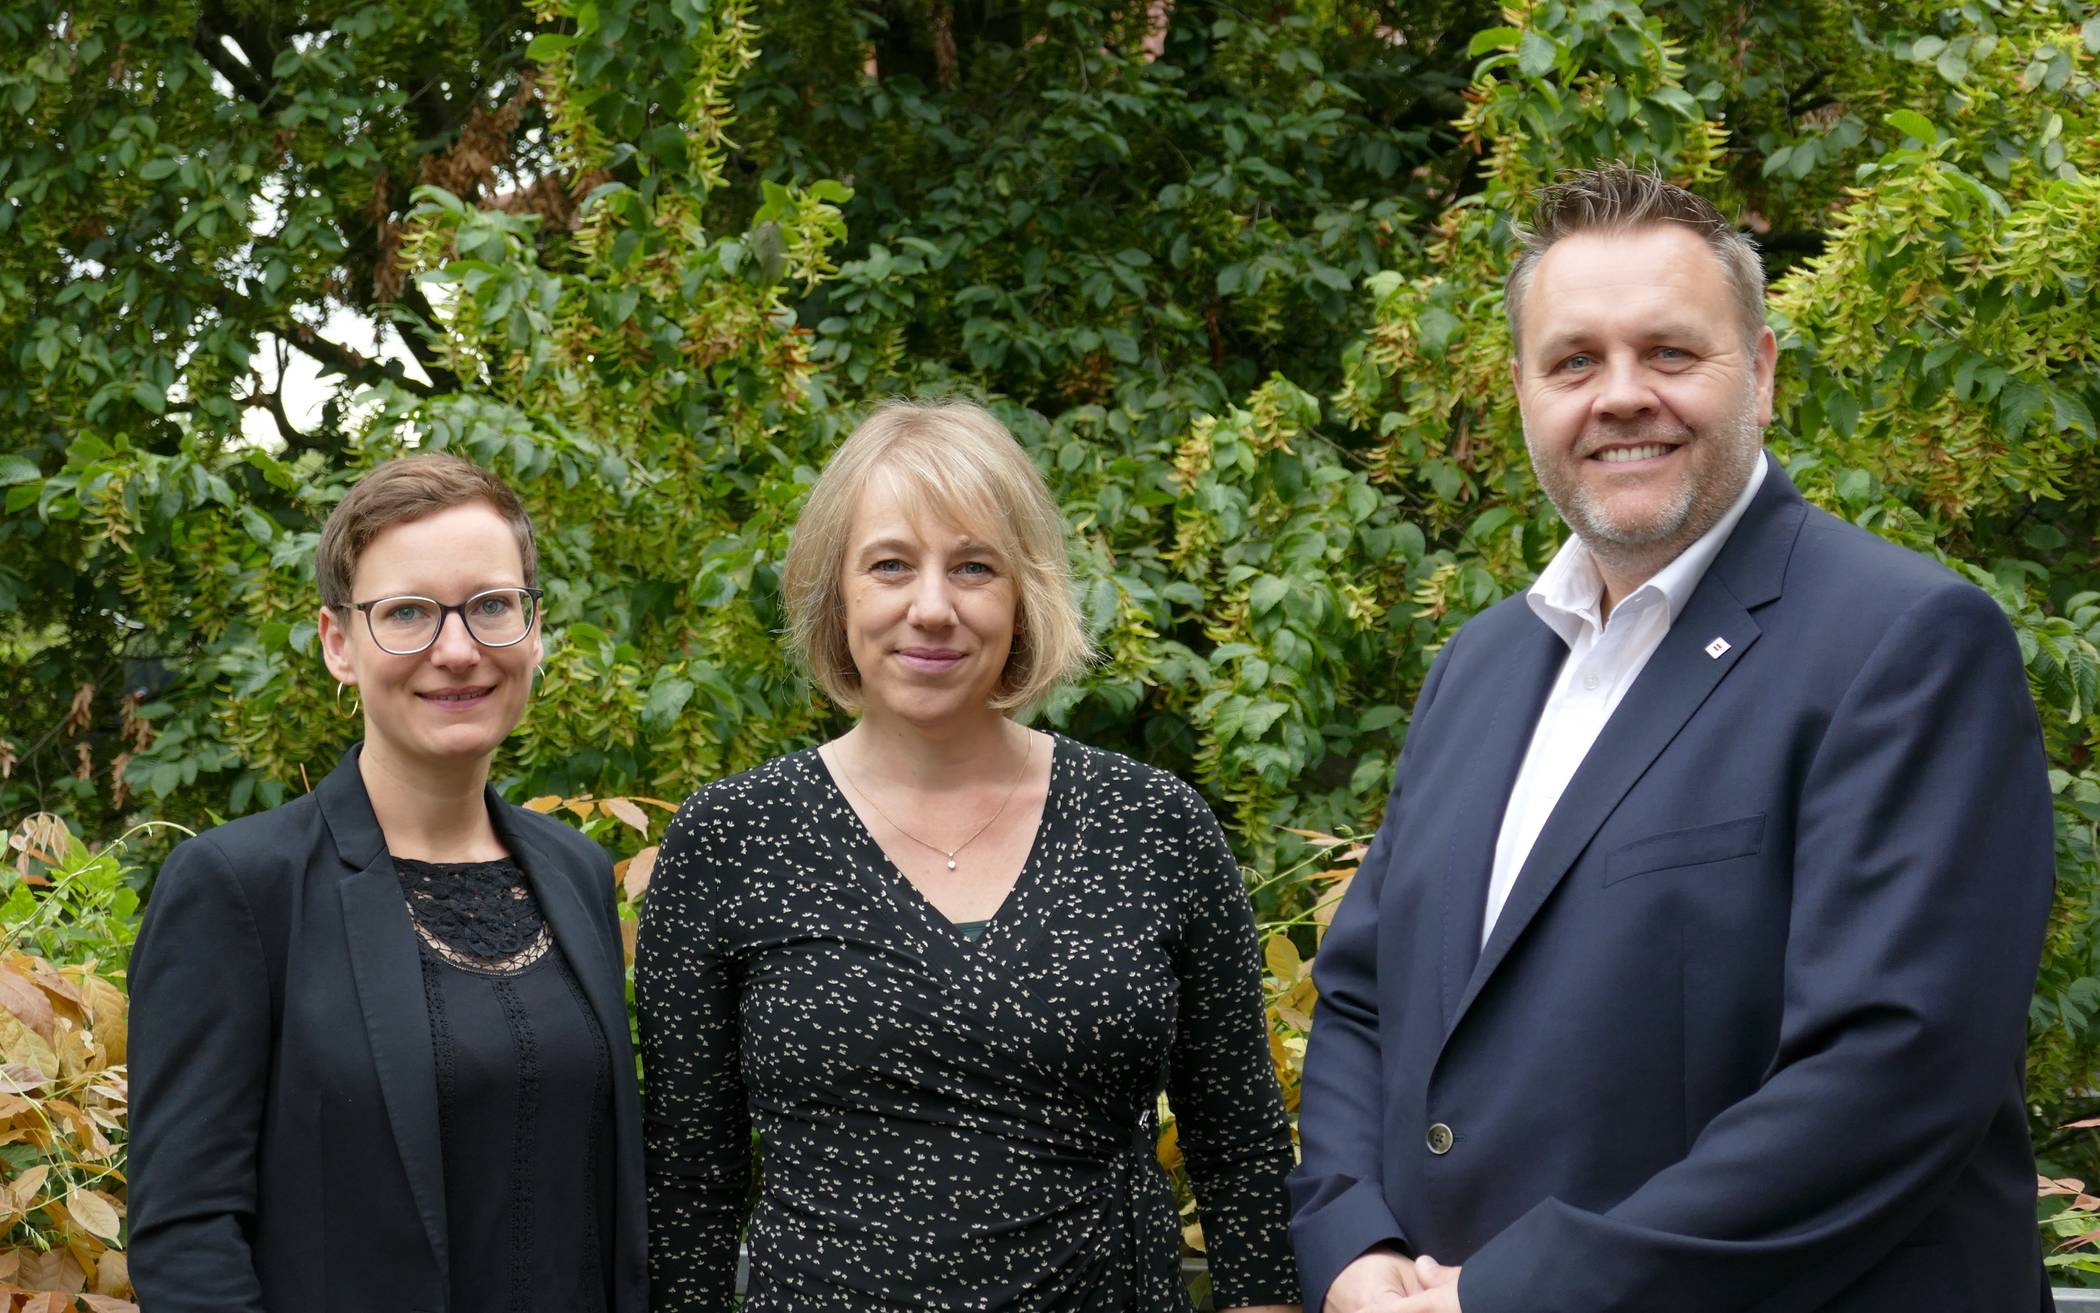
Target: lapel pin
x=1716 y=648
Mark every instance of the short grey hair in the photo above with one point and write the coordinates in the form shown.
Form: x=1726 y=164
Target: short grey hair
x=1615 y=198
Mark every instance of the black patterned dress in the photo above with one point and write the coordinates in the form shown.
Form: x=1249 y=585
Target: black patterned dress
x=524 y=1095
x=949 y=1122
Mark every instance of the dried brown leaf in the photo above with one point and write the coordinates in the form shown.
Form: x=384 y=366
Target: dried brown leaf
x=23 y=1190
x=19 y=995
x=107 y=1304
x=113 y=1274
x=96 y=1212
x=639 y=868
x=544 y=804
x=23 y=1047
x=625 y=810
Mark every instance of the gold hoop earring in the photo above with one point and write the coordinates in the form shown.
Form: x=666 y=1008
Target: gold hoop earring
x=357 y=707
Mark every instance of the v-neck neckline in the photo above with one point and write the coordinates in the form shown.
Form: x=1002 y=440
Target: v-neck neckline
x=902 y=894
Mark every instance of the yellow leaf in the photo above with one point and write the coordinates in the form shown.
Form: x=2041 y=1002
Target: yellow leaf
x=583 y=807
x=1169 y=1149
x=1192 y=1236
x=639 y=867
x=628 y=930
x=543 y=804
x=21 y=1046
x=106 y=1304
x=96 y=1212
x=113 y=1274
x=1282 y=958
x=10 y=1263
x=628 y=812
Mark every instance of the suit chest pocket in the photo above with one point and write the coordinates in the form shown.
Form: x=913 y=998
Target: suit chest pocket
x=1699 y=846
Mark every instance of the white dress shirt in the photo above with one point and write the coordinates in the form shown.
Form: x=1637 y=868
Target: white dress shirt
x=1605 y=655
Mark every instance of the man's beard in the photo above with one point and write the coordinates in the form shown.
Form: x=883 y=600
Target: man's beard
x=1697 y=506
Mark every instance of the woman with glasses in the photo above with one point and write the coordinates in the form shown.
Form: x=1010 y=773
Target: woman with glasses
x=379 y=1044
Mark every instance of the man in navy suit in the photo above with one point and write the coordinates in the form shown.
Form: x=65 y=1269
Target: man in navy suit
x=1689 y=969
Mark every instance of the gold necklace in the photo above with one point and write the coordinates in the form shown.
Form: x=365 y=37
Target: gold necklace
x=1027 y=751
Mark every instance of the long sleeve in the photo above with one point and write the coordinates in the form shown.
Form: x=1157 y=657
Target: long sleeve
x=1921 y=882
x=1222 y=1085
x=696 y=1124
x=1339 y=1208
x=200 y=1056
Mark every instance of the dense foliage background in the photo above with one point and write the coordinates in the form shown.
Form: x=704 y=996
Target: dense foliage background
x=1232 y=273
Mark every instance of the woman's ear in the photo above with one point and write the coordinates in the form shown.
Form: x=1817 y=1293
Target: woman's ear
x=335 y=645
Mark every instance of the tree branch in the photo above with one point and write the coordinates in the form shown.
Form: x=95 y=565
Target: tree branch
x=441 y=376
x=243 y=78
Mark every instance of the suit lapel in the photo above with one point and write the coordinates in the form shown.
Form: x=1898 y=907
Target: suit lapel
x=1683 y=672
x=569 y=920
x=1518 y=691
x=389 y=975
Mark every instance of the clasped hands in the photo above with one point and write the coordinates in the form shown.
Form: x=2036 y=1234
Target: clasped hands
x=1382 y=1281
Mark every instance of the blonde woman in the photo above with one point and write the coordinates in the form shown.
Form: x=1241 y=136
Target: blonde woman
x=945 y=963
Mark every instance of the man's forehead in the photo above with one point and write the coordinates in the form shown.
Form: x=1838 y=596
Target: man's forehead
x=1662 y=277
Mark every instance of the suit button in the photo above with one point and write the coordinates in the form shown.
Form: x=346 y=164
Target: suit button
x=1439 y=1139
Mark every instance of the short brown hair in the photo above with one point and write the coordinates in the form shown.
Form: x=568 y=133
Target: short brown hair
x=956 y=460
x=1614 y=198
x=409 y=488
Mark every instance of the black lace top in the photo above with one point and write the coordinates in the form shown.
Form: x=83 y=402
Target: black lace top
x=524 y=1094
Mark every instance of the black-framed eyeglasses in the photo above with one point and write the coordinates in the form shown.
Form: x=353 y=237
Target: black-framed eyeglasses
x=495 y=617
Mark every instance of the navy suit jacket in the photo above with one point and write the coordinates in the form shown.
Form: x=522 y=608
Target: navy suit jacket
x=1749 y=1033
x=284 y=1130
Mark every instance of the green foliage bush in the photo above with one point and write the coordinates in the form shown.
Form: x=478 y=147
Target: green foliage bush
x=1233 y=277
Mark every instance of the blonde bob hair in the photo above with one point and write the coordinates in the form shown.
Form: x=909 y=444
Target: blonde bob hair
x=954 y=461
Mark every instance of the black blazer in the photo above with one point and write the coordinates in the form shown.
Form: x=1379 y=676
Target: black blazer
x=284 y=1131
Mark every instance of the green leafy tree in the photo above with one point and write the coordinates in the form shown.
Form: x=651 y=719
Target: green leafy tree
x=1233 y=277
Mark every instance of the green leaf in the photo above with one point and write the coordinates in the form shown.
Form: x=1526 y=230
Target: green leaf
x=2090 y=34
x=1435 y=329
x=1493 y=38
x=2018 y=404
x=1952 y=66
x=1913 y=124
x=1536 y=55
x=546 y=45
x=667 y=698
x=1267 y=592
x=1374 y=719
x=2071 y=413
x=18 y=469
x=1680 y=101
x=1842 y=410
x=258 y=526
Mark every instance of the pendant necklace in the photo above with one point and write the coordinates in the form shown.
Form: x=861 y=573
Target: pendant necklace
x=1027 y=751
